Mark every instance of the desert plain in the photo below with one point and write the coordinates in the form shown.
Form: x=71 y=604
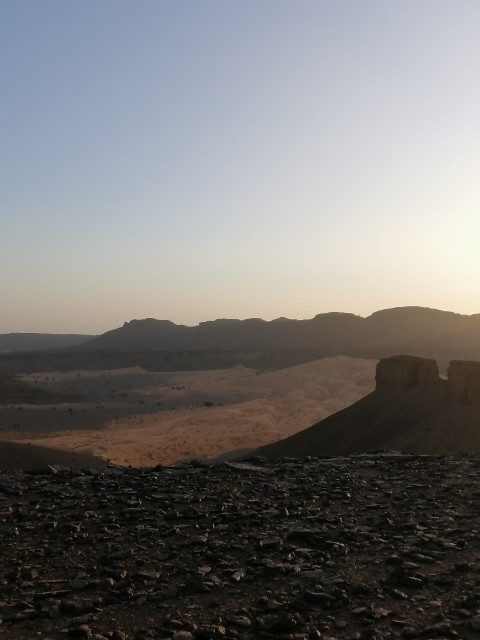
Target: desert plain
x=142 y=419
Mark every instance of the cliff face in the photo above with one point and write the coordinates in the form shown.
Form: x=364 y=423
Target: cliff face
x=407 y=372
x=403 y=373
x=464 y=381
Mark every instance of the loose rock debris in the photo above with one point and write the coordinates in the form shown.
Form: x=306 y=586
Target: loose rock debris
x=362 y=547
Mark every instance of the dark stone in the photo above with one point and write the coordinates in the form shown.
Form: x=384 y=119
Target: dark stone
x=206 y=552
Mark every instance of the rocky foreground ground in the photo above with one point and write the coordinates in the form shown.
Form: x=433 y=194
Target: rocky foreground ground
x=374 y=546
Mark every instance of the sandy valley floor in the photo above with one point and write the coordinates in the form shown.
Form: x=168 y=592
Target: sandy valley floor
x=133 y=417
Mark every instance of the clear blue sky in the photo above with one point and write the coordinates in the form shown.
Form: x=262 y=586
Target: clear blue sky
x=197 y=159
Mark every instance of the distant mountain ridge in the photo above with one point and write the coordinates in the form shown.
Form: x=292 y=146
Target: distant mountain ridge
x=403 y=329
x=161 y=345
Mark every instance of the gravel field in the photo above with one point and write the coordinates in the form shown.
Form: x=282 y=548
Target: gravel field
x=363 y=547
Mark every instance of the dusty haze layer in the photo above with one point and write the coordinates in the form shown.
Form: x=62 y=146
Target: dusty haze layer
x=132 y=417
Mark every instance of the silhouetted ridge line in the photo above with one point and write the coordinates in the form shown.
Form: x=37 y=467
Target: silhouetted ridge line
x=161 y=345
x=404 y=328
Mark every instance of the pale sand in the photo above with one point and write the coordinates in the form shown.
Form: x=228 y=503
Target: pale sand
x=257 y=409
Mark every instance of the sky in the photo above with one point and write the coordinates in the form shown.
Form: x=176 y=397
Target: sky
x=191 y=160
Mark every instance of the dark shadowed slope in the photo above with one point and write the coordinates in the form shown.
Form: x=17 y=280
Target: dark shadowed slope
x=37 y=341
x=15 y=391
x=26 y=457
x=411 y=410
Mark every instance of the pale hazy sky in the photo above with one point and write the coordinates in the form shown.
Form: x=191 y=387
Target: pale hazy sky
x=196 y=159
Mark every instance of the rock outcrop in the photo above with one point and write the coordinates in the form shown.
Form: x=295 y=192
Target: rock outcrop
x=403 y=373
x=464 y=381
x=407 y=372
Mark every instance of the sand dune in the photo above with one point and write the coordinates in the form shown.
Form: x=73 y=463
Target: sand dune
x=142 y=419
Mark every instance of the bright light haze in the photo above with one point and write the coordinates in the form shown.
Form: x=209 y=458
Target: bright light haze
x=192 y=160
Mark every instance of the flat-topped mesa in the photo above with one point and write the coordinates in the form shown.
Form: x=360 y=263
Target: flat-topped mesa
x=464 y=381
x=407 y=372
